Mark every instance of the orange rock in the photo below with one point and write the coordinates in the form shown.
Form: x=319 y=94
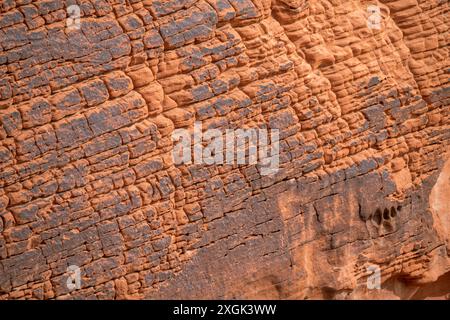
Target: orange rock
x=357 y=91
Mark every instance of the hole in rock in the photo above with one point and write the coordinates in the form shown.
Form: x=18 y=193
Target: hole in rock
x=386 y=214
x=393 y=212
x=377 y=216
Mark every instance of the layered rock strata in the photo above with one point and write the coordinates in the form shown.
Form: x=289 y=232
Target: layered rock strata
x=87 y=176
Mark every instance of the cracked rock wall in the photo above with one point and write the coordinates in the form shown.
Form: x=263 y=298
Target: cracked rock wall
x=86 y=170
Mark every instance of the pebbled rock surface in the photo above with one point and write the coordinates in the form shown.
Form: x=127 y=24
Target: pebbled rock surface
x=87 y=178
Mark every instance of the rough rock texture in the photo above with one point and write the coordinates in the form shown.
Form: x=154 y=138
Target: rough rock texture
x=87 y=178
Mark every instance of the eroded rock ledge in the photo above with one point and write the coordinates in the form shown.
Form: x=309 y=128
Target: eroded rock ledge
x=87 y=177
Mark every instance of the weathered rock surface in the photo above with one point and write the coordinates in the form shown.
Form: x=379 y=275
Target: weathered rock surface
x=87 y=177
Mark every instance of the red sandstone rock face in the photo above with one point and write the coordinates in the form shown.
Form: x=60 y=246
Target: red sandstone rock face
x=86 y=170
